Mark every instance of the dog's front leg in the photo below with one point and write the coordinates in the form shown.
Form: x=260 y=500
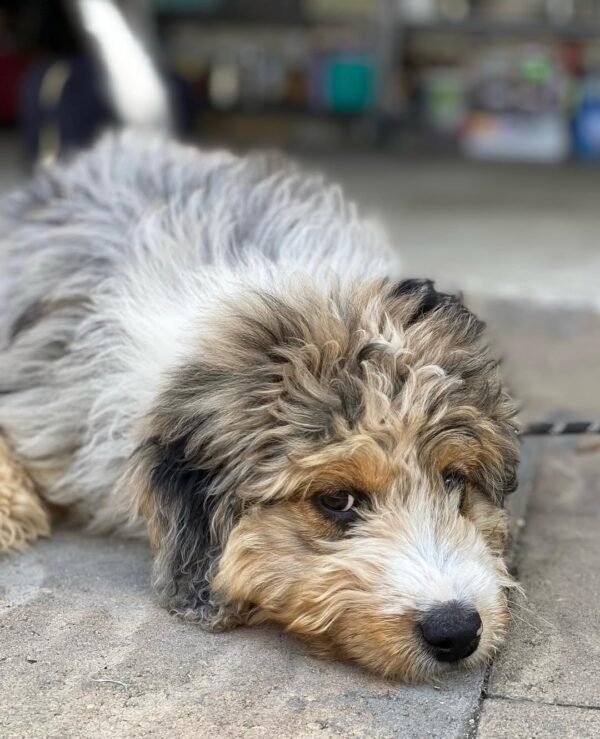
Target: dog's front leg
x=23 y=517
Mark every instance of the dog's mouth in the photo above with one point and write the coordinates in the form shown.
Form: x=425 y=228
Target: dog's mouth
x=449 y=655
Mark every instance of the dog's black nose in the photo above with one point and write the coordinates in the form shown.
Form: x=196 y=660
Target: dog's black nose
x=452 y=631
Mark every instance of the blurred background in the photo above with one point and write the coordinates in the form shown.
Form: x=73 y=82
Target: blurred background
x=483 y=79
x=470 y=127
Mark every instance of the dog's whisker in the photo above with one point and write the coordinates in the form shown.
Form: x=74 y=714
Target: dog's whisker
x=530 y=612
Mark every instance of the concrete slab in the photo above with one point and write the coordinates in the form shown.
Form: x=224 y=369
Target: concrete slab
x=553 y=654
x=85 y=651
x=550 y=355
x=568 y=480
x=493 y=230
x=502 y=719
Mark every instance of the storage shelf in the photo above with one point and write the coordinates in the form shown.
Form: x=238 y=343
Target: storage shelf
x=287 y=111
x=294 y=21
x=508 y=28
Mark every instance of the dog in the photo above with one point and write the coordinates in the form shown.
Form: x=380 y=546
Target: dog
x=220 y=353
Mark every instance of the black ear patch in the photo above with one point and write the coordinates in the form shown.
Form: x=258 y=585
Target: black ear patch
x=511 y=482
x=427 y=297
x=178 y=484
x=186 y=499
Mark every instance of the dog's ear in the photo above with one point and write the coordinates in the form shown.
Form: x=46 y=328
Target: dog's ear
x=188 y=516
x=411 y=301
x=511 y=482
x=420 y=298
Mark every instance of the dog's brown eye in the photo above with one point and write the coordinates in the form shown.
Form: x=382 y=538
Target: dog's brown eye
x=340 y=505
x=455 y=481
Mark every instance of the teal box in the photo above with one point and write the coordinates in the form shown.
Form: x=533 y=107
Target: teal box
x=350 y=83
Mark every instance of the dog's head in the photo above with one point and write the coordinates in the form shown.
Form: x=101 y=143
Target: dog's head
x=338 y=466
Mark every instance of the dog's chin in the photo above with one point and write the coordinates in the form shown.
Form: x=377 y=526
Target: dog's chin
x=407 y=661
x=391 y=647
x=407 y=657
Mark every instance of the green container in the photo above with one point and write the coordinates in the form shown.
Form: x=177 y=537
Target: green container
x=350 y=83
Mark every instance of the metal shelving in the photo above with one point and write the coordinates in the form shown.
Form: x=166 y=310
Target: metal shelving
x=490 y=27
x=391 y=36
x=380 y=23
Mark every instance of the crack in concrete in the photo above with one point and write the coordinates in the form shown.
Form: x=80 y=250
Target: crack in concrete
x=493 y=696
x=515 y=560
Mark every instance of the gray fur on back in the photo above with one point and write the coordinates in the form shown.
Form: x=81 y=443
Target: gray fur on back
x=114 y=262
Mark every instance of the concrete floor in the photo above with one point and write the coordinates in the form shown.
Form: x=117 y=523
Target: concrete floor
x=546 y=682
x=85 y=651
x=503 y=231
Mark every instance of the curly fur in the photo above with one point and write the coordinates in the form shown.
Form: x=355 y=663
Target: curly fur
x=205 y=343
x=23 y=518
x=112 y=261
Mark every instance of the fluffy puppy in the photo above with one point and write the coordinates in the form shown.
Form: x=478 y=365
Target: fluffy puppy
x=220 y=351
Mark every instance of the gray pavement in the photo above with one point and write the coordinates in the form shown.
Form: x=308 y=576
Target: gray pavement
x=86 y=652
x=551 y=665
x=516 y=232
x=503 y=719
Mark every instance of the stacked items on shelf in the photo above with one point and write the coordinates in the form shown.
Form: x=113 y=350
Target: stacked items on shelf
x=291 y=69
x=251 y=57
x=507 y=80
x=515 y=79
x=586 y=121
x=519 y=102
x=482 y=15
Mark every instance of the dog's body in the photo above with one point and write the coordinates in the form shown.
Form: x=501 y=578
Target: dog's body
x=117 y=267
x=213 y=346
x=218 y=351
